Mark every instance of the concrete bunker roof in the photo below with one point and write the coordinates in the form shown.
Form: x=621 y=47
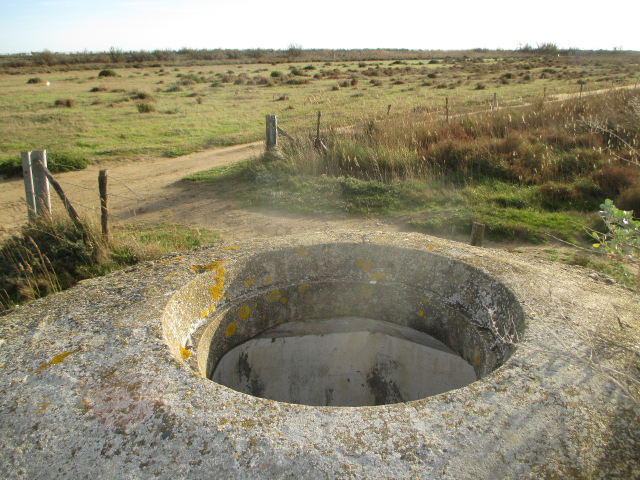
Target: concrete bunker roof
x=92 y=384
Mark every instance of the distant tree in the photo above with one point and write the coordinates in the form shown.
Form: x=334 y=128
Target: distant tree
x=294 y=50
x=115 y=54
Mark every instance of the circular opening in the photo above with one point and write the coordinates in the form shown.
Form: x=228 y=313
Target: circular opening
x=344 y=324
x=346 y=361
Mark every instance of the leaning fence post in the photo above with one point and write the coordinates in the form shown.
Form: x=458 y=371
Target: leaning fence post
x=272 y=131
x=40 y=182
x=104 y=204
x=28 y=184
x=447 y=107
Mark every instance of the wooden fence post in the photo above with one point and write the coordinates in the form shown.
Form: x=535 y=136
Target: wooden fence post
x=447 y=107
x=580 y=92
x=104 y=204
x=28 y=184
x=495 y=100
x=272 y=131
x=67 y=204
x=477 y=234
x=40 y=183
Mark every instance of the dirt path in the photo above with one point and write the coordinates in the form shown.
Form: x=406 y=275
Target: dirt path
x=153 y=191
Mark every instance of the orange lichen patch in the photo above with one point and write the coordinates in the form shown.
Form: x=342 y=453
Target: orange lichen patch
x=215 y=292
x=231 y=329
x=421 y=313
x=57 y=359
x=377 y=276
x=328 y=252
x=248 y=281
x=302 y=252
x=280 y=320
x=364 y=264
x=274 y=296
x=476 y=356
x=267 y=280
x=184 y=353
x=211 y=308
x=363 y=291
x=44 y=407
x=255 y=243
x=425 y=299
x=204 y=313
x=244 y=313
x=283 y=300
x=303 y=287
x=170 y=259
x=431 y=247
x=227 y=297
x=231 y=247
x=359 y=262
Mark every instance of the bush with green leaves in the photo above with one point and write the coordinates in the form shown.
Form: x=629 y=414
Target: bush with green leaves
x=107 y=73
x=622 y=241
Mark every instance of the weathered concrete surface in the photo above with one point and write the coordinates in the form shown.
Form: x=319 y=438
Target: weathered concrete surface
x=343 y=362
x=93 y=381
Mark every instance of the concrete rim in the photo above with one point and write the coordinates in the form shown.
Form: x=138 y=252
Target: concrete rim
x=90 y=366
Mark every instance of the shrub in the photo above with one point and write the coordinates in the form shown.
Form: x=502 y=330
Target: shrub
x=107 y=73
x=145 y=107
x=629 y=199
x=101 y=88
x=480 y=86
x=527 y=78
x=433 y=62
x=138 y=95
x=432 y=75
x=276 y=73
x=354 y=82
x=555 y=196
x=65 y=102
x=175 y=88
x=614 y=179
x=34 y=80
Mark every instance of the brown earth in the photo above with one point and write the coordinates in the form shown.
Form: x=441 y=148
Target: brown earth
x=153 y=190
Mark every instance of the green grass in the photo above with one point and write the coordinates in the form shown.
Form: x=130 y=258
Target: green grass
x=234 y=113
x=49 y=255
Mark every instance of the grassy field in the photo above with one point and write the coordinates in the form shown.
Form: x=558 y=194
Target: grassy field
x=170 y=111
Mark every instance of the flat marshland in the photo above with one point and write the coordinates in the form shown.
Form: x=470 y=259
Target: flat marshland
x=434 y=144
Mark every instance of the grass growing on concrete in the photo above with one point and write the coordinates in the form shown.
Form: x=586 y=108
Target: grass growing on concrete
x=49 y=255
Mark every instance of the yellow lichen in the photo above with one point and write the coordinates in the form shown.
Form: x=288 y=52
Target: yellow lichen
x=184 y=353
x=44 y=407
x=248 y=281
x=363 y=291
x=476 y=356
x=359 y=262
x=283 y=300
x=211 y=308
x=267 y=280
x=274 y=296
x=232 y=247
x=328 y=252
x=231 y=329
x=425 y=299
x=204 y=313
x=215 y=292
x=431 y=247
x=421 y=313
x=303 y=287
x=302 y=252
x=57 y=359
x=377 y=276
x=244 y=313
x=366 y=266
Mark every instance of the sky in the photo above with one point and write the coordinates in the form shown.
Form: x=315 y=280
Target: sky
x=75 y=26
